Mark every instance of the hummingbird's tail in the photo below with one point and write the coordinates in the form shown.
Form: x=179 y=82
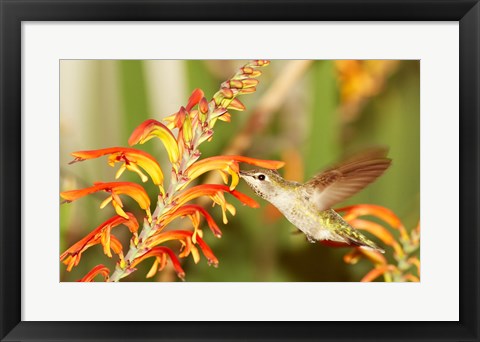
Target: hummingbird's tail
x=354 y=237
x=371 y=246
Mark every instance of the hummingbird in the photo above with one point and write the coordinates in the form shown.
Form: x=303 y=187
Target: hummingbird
x=308 y=206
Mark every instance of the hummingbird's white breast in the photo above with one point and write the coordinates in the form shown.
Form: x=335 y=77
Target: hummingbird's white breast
x=296 y=207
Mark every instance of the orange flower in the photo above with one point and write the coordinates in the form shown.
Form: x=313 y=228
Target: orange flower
x=152 y=128
x=115 y=188
x=215 y=192
x=185 y=237
x=99 y=269
x=191 y=210
x=160 y=254
x=414 y=261
x=177 y=120
x=403 y=247
x=379 y=231
x=377 y=272
x=227 y=165
x=411 y=278
x=102 y=234
x=353 y=256
x=383 y=213
x=132 y=159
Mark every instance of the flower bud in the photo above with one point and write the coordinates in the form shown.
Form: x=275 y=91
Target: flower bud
x=227 y=93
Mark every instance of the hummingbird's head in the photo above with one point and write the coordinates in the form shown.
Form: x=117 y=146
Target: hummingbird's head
x=265 y=183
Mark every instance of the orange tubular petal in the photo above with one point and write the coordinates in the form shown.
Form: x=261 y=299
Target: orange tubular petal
x=128 y=156
x=179 y=118
x=375 y=229
x=212 y=259
x=194 y=99
x=190 y=209
x=266 y=164
x=184 y=235
x=375 y=257
x=209 y=164
x=135 y=191
x=152 y=128
x=412 y=278
x=228 y=164
x=245 y=199
x=210 y=190
x=352 y=257
x=73 y=254
x=72 y=195
x=376 y=272
x=99 y=269
x=131 y=189
x=159 y=251
x=115 y=245
x=379 y=231
x=375 y=210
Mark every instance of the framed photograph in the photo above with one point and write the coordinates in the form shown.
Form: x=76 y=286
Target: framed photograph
x=240 y=171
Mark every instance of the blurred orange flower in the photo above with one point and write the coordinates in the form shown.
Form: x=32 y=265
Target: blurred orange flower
x=404 y=246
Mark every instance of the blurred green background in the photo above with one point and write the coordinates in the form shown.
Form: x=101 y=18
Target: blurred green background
x=307 y=113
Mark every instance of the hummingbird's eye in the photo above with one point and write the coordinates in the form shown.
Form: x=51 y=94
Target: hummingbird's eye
x=261 y=177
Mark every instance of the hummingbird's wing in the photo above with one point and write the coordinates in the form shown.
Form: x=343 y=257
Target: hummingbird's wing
x=341 y=181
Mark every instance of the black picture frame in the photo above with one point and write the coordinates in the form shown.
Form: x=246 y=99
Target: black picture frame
x=13 y=12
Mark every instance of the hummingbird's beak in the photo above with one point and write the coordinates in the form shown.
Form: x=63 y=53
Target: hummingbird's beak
x=242 y=173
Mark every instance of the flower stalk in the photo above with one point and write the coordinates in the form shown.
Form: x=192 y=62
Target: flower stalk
x=193 y=125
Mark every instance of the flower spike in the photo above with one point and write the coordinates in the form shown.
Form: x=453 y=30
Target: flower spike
x=193 y=124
